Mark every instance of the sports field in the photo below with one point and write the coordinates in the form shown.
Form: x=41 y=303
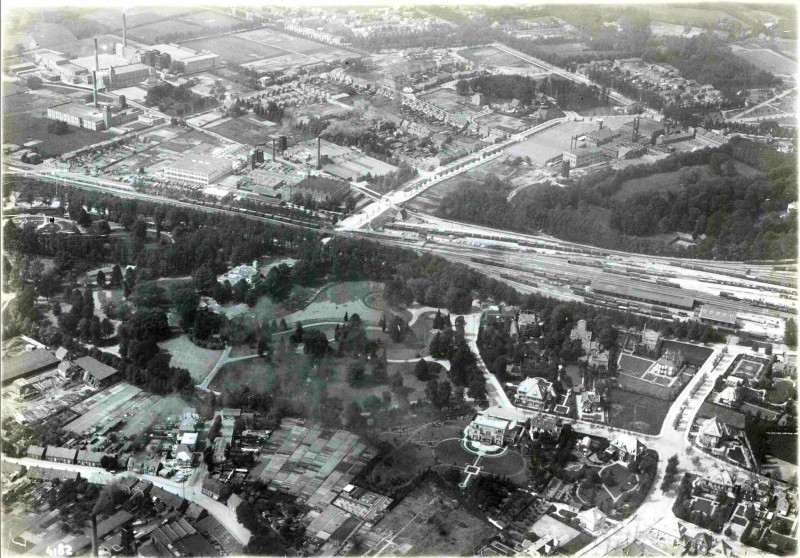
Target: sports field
x=245 y=129
x=152 y=32
x=552 y=142
x=492 y=56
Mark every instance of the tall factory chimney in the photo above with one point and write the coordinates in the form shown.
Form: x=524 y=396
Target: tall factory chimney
x=94 y=88
x=124 y=32
x=94 y=535
x=96 y=57
x=273 y=150
x=319 y=153
x=600 y=123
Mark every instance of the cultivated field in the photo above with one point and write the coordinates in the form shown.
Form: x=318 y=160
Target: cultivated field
x=767 y=60
x=431 y=521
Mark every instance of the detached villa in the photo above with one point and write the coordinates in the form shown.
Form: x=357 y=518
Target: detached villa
x=496 y=426
x=535 y=393
x=626 y=448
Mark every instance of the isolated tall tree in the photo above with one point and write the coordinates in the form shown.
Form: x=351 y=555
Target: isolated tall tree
x=101 y=279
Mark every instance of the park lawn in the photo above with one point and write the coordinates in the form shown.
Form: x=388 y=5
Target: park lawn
x=451 y=452
x=338 y=299
x=634 y=411
x=623 y=480
x=185 y=354
x=512 y=464
x=413 y=388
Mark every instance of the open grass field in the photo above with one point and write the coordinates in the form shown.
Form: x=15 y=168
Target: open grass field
x=634 y=411
x=245 y=129
x=152 y=32
x=235 y=49
x=22 y=128
x=17 y=100
x=767 y=60
x=185 y=354
x=208 y=19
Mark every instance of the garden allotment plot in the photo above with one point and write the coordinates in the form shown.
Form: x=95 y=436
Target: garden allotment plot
x=312 y=462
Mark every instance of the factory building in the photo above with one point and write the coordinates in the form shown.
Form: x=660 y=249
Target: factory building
x=319 y=189
x=191 y=60
x=92 y=118
x=198 y=170
x=584 y=156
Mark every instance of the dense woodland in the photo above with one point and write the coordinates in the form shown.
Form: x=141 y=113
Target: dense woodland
x=731 y=216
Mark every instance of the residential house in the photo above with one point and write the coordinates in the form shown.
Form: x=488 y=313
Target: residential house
x=90 y=458
x=170 y=500
x=184 y=457
x=730 y=397
x=535 y=393
x=35 y=452
x=143 y=488
x=712 y=432
x=144 y=465
x=650 y=339
x=216 y=489
x=127 y=483
x=195 y=512
x=592 y=519
x=669 y=364
x=626 y=448
x=60 y=455
x=495 y=426
x=669 y=530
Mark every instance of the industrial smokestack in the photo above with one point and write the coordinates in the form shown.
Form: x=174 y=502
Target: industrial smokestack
x=124 y=32
x=94 y=88
x=94 y=536
x=273 y=150
x=96 y=57
x=319 y=153
x=600 y=123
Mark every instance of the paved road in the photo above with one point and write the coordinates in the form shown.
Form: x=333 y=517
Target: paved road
x=192 y=491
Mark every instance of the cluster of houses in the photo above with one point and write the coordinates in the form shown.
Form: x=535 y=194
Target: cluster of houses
x=665 y=79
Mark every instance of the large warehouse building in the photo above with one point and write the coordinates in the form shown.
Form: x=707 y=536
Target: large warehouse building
x=199 y=170
x=663 y=296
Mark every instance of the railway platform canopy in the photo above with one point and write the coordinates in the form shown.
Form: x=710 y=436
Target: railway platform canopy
x=644 y=293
